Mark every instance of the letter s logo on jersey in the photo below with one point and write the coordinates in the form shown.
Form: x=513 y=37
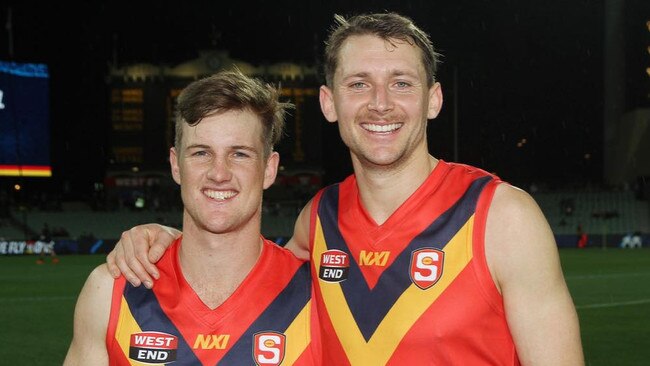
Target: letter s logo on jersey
x=268 y=348
x=334 y=266
x=426 y=267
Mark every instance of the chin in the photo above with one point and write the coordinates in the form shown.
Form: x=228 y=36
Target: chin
x=382 y=159
x=217 y=227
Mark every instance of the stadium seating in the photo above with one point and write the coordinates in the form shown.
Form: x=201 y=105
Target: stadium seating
x=79 y=220
x=598 y=212
x=100 y=224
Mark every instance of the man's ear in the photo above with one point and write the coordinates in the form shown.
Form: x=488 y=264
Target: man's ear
x=271 y=170
x=435 y=101
x=173 y=162
x=326 y=98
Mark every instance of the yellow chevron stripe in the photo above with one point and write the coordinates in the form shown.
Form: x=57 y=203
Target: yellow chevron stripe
x=126 y=325
x=404 y=313
x=298 y=335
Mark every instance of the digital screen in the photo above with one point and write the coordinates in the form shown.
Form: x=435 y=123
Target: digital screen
x=24 y=120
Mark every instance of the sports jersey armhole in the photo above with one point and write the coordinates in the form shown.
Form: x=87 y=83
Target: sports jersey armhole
x=313 y=215
x=481 y=269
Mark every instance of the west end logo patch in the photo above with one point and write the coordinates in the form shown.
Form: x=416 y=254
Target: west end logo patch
x=153 y=347
x=334 y=266
x=426 y=267
x=268 y=348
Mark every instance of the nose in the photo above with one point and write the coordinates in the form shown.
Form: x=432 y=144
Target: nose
x=380 y=100
x=220 y=171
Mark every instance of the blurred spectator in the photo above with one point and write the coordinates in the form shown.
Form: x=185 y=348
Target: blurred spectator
x=582 y=237
x=631 y=241
x=46 y=249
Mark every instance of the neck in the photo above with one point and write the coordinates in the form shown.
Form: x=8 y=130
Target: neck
x=383 y=190
x=214 y=265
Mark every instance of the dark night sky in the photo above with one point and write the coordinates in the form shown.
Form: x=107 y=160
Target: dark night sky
x=527 y=69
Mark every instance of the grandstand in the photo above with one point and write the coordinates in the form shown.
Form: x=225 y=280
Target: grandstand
x=82 y=221
x=100 y=224
x=606 y=214
x=9 y=230
x=598 y=212
x=74 y=220
x=79 y=220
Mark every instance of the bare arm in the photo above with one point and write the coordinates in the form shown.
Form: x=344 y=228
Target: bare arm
x=299 y=243
x=524 y=261
x=137 y=251
x=91 y=314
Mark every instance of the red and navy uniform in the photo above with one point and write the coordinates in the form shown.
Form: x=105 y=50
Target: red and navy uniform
x=266 y=321
x=415 y=290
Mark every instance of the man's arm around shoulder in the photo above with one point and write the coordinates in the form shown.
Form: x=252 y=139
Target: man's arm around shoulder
x=525 y=264
x=91 y=314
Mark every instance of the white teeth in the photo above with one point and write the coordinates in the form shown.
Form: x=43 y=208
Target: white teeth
x=219 y=195
x=382 y=128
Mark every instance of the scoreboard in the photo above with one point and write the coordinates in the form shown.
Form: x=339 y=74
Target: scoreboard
x=24 y=120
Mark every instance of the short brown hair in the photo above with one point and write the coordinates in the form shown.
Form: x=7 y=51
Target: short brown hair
x=232 y=90
x=388 y=26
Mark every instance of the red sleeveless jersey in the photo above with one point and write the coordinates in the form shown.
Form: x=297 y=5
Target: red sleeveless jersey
x=266 y=321
x=415 y=290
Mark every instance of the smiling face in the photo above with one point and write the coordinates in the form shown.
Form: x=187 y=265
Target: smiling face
x=222 y=170
x=380 y=98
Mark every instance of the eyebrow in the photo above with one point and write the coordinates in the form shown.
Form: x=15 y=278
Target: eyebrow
x=244 y=147
x=365 y=74
x=404 y=73
x=197 y=146
x=361 y=74
x=232 y=147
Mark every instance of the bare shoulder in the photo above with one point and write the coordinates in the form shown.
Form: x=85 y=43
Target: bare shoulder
x=94 y=302
x=91 y=316
x=100 y=278
x=517 y=235
x=510 y=200
x=95 y=297
x=514 y=212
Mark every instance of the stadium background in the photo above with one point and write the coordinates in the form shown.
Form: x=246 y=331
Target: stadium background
x=554 y=98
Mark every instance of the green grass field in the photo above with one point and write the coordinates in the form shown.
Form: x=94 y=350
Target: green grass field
x=611 y=290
